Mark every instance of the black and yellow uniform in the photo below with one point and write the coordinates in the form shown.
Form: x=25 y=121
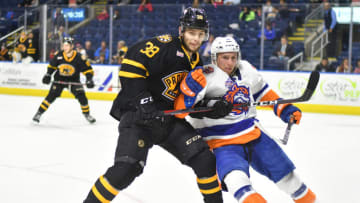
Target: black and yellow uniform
x=32 y=49
x=21 y=45
x=151 y=73
x=67 y=75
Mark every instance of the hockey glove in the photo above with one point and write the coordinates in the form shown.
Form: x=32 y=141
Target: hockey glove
x=90 y=83
x=221 y=109
x=46 y=79
x=194 y=82
x=147 y=116
x=288 y=112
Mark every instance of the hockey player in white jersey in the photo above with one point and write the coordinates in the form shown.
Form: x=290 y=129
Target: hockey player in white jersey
x=237 y=139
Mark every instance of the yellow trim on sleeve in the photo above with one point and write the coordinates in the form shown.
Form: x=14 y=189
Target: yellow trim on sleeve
x=108 y=187
x=210 y=191
x=99 y=196
x=91 y=71
x=207 y=180
x=53 y=67
x=130 y=75
x=46 y=102
x=43 y=106
x=136 y=64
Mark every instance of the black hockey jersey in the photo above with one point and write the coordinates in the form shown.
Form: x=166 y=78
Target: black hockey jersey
x=69 y=69
x=156 y=65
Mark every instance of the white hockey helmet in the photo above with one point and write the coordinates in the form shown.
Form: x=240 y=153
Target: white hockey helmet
x=223 y=45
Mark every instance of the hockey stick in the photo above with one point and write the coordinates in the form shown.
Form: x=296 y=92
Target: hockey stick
x=310 y=88
x=77 y=83
x=285 y=139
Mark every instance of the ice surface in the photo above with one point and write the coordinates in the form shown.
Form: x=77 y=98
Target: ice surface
x=59 y=159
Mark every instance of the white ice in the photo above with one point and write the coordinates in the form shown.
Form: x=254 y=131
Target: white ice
x=59 y=159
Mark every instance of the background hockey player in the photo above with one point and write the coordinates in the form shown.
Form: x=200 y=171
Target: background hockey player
x=67 y=66
x=237 y=140
x=150 y=76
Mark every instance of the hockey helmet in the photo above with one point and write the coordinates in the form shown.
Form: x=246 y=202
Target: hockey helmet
x=68 y=40
x=194 y=18
x=223 y=45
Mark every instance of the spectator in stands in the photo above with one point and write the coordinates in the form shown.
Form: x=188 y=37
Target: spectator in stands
x=120 y=52
x=25 y=3
x=4 y=53
x=231 y=2
x=330 y=27
x=20 y=48
x=57 y=39
x=284 y=50
x=33 y=47
x=344 y=66
x=205 y=50
x=283 y=10
x=59 y=20
x=116 y=15
x=269 y=33
x=325 y=66
x=123 y=2
x=102 y=50
x=357 y=67
x=145 y=4
x=269 y=11
x=103 y=15
x=79 y=49
x=101 y=59
x=247 y=14
x=90 y=53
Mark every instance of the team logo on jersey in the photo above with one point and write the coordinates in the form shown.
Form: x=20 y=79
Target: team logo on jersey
x=208 y=69
x=238 y=94
x=66 y=69
x=172 y=83
x=164 y=38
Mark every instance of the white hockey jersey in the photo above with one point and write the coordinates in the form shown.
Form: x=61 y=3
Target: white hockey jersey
x=246 y=85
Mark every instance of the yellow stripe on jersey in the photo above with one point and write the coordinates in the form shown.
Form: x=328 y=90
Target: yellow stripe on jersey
x=43 y=107
x=99 y=196
x=210 y=191
x=108 y=187
x=91 y=71
x=130 y=75
x=192 y=63
x=71 y=58
x=207 y=180
x=46 y=102
x=53 y=67
x=135 y=64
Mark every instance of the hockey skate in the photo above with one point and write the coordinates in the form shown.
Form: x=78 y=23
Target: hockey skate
x=90 y=118
x=36 y=118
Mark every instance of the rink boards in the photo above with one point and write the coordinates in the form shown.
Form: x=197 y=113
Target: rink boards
x=335 y=93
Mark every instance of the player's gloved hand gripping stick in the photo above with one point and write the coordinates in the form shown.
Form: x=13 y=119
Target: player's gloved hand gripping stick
x=310 y=88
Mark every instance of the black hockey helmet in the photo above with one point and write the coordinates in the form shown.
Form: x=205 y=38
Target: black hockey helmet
x=69 y=40
x=194 y=18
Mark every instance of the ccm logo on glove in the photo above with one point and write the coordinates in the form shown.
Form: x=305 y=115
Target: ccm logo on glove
x=146 y=100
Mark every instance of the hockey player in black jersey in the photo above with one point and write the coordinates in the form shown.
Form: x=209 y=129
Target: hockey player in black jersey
x=67 y=65
x=150 y=77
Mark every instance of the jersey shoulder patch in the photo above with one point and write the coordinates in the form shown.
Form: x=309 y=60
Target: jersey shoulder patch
x=208 y=69
x=164 y=38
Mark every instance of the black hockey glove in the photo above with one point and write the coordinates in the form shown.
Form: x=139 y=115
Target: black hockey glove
x=46 y=79
x=90 y=83
x=221 y=109
x=149 y=117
